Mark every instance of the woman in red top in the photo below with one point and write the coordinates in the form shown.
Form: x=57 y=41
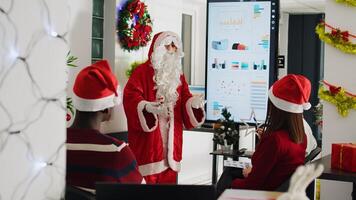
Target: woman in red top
x=283 y=142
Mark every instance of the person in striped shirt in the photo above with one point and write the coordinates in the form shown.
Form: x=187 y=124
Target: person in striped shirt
x=92 y=156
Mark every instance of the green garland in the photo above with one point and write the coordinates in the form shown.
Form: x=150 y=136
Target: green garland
x=348 y=2
x=335 y=40
x=343 y=102
x=133 y=66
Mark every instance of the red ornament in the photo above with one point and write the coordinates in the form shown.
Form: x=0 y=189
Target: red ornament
x=345 y=36
x=334 y=90
x=334 y=32
x=68 y=118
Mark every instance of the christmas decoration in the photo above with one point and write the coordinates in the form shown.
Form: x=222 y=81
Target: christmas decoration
x=134 y=25
x=132 y=68
x=337 y=38
x=70 y=63
x=225 y=130
x=344 y=101
x=348 y=2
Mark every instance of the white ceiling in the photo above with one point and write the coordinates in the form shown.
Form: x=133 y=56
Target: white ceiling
x=302 y=6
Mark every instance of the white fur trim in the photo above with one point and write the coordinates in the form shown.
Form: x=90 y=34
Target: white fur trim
x=164 y=128
x=190 y=112
x=95 y=147
x=152 y=168
x=93 y=105
x=286 y=105
x=86 y=189
x=141 y=117
x=172 y=163
x=166 y=38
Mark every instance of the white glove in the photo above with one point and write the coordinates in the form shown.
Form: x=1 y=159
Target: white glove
x=154 y=107
x=198 y=102
x=300 y=180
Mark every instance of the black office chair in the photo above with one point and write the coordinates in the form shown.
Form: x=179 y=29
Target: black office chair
x=123 y=136
x=74 y=193
x=313 y=154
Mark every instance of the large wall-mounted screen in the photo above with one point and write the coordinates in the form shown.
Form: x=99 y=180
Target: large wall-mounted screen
x=241 y=55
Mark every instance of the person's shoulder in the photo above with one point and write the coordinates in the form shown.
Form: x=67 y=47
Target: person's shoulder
x=142 y=68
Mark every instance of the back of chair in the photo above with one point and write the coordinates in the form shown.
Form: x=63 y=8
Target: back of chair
x=315 y=152
x=73 y=193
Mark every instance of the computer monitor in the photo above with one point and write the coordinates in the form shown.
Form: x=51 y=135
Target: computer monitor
x=117 y=191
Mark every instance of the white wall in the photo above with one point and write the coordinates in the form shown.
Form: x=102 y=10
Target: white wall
x=79 y=38
x=339 y=70
x=32 y=99
x=196 y=163
x=283 y=42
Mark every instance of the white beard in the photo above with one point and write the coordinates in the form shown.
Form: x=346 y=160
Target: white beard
x=168 y=70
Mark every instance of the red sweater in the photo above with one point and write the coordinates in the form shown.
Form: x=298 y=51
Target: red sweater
x=93 y=157
x=274 y=161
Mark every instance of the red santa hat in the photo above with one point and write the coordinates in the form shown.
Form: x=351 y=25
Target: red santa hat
x=291 y=93
x=96 y=88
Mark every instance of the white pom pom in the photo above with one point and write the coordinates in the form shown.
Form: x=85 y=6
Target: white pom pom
x=306 y=106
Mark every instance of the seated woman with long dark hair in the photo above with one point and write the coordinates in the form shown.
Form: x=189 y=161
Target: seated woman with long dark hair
x=283 y=142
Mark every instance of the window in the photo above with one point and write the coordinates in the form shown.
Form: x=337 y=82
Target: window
x=97 y=30
x=187 y=46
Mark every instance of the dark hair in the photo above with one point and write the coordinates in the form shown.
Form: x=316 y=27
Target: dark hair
x=278 y=119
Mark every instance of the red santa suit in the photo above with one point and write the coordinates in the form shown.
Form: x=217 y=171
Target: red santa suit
x=157 y=140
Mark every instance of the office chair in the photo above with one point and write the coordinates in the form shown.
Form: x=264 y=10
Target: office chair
x=310 y=157
x=123 y=136
x=73 y=193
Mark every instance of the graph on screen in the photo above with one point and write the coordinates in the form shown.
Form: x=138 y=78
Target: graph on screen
x=241 y=48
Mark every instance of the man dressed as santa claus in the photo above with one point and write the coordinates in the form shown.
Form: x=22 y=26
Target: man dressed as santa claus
x=158 y=103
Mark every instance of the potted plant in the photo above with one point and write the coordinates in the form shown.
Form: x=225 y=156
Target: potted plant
x=226 y=132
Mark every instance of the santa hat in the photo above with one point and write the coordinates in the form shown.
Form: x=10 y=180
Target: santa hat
x=96 y=88
x=291 y=93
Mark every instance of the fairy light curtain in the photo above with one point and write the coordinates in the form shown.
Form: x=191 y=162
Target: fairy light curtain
x=33 y=49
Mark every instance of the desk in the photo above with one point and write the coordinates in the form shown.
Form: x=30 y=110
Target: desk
x=235 y=154
x=237 y=194
x=335 y=174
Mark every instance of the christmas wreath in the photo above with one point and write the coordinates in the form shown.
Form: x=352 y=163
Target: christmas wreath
x=337 y=38
x=343 y=100
x=134 y=25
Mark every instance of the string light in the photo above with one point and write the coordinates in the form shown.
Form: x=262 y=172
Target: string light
x=12 y=54
x=39 y=165
x=54 y=34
